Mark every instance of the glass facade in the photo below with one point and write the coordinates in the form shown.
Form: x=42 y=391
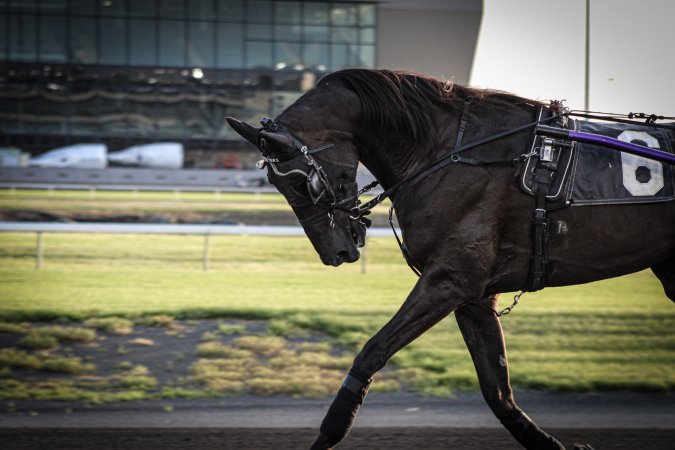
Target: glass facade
x=124 y=72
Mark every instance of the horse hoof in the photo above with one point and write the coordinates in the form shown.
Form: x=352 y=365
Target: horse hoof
x=322 y=443
x=583 y=447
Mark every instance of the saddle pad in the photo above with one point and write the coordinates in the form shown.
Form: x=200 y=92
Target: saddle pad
x=558 y=192
x=603 y=176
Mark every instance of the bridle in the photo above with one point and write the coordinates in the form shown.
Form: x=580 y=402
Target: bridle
x=318 y=184
x=319 y=188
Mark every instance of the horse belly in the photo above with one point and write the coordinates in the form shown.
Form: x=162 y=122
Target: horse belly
x=598 y=242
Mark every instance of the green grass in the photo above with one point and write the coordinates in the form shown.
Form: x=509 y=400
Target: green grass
x=144 y=202
x=269 y=365
x=66 y=390
x=17 y=359
x=131 y=275
x=610 y=335
x=113 y=325
x=46 y=337
x=67 y=334
x=226 y=329
x=37 y=340
x=160 y=320
x=14 y=328
x=135 y=382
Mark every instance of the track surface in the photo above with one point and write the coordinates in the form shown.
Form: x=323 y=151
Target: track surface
x=387 y=421
x=363 y=438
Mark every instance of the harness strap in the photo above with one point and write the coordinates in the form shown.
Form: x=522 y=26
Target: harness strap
x=414 y=265
x=614 y=118
x=462 y=160
x=462 y=124
x=431 y=168
x=451 y=157
x=541 y=233
x=545 y=169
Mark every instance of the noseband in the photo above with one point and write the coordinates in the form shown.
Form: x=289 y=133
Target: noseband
x=316 y=180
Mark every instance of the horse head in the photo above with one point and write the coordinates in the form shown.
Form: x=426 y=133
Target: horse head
x=313 y=165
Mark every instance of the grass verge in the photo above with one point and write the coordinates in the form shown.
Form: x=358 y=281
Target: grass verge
x=611 y=335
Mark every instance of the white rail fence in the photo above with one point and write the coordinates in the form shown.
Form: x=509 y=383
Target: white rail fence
x=39 y=228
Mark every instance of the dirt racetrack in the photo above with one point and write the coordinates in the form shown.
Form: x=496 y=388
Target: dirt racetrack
x=391 y=421
x=301 y=438
x=388 y=421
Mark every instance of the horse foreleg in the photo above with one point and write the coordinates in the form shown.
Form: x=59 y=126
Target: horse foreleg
x=483 y=335
x=425 y=306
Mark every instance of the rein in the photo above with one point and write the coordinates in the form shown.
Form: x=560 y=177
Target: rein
x=451 y=158
x=650 y=119
x=454 y=156
x=318 y=184
x=358 y=212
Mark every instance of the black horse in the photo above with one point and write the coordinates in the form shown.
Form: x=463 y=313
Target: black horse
x=466 y=227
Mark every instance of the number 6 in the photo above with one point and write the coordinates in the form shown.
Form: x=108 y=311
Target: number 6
x=651 y=179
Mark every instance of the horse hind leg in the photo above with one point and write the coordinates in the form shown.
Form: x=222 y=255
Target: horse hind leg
x=484 y=338
x=665 y=272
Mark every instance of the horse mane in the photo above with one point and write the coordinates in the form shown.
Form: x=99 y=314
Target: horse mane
x=403 y=102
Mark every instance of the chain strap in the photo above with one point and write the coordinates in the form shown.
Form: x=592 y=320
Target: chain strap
x=508 y=309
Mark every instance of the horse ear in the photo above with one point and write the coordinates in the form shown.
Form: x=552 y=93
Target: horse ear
x=277 y=141
x=245 y=130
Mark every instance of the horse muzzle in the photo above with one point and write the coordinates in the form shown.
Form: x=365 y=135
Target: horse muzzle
x=344 y=256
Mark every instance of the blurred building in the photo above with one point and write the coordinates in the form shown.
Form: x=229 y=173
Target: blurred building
x=126 y=72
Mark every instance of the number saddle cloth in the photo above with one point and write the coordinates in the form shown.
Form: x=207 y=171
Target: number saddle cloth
x=586 y=174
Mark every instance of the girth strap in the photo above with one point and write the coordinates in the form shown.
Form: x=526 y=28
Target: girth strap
x=540 y=232
x=545 y=170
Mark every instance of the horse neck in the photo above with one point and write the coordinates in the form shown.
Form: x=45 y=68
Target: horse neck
x=387 y=162
x=391 y=162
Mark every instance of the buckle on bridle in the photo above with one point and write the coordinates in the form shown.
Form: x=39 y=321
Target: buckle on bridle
x=269 y=124
x=356 y=214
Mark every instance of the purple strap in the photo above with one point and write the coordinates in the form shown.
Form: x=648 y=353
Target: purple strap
x=616 y=144
x=627 y=147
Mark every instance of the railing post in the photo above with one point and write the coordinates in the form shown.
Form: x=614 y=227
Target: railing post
x=38 y=251
x=205 y=262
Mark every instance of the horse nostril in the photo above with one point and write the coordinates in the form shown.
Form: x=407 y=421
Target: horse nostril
x=346 y=256
x=341 y=257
